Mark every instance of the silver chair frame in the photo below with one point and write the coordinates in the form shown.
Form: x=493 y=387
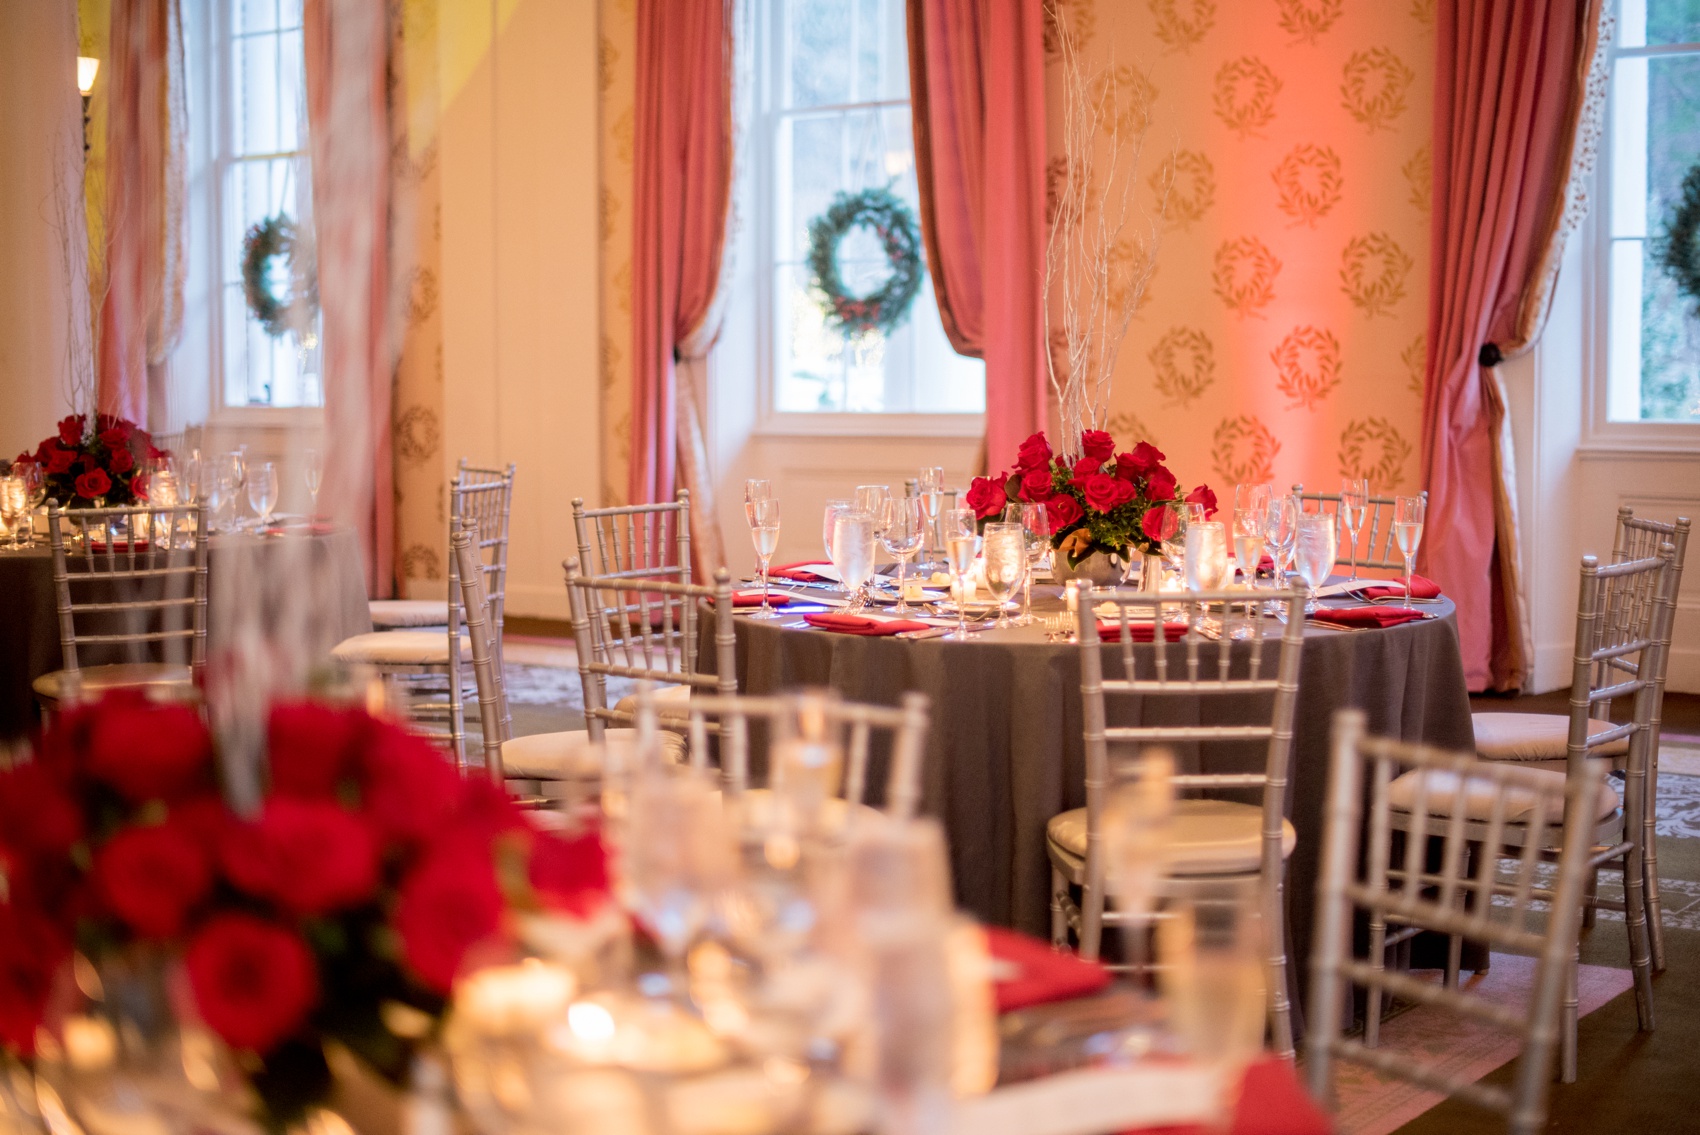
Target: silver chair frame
x=1415 y=895
x=138 y=567
x=645 y=550
x=1378 y=537
x=483 y=638
x=1089 y=916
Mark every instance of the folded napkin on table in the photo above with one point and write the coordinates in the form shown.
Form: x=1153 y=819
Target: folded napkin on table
x=1140 y=632
x=800 y=572
x=1271 y=1102
x=1041 y=975
x=317 y=528
x=861 y=624
x=753 y=599
x=1420 y=589
x=1382 y=616
x=97 y=545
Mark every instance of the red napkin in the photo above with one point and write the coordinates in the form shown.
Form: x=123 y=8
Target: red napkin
x=1383 y=616
x=753 y=599
x=1272 y=1102
x=1420 y=589
x=1044 y=975
x=1140 y=632
x=858 y=624
x=95 y=545
x=800 y=572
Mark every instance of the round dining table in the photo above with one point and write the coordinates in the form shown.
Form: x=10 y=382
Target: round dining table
x=329 y=563
x=1006 y=751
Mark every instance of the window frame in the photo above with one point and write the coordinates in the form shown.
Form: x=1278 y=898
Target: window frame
x=1600 y=433
x=770 y=420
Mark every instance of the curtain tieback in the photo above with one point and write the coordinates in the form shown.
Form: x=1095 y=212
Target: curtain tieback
x=1489 y=355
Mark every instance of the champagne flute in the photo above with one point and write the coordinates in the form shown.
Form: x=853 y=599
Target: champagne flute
x=1250 y=535
x=959 y=558
x=1318 y=545
x=905 y=528
x=929 y=486
x=764 y=533
x=853 y=554
x=262 y=492
x=1354 y=504
x=1006 y=564
x=1210 y=954
x=872 y=499
x=756 y=489
x=1408 y=515
x=315 y=478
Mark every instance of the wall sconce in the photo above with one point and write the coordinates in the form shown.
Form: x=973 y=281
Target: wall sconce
x=87 y=68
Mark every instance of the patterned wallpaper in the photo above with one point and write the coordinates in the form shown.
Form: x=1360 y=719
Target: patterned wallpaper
x=617 y=57
x=1281 y=336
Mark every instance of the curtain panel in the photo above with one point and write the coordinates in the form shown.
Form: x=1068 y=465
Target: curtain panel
x=1518 y=90
x=977 y=93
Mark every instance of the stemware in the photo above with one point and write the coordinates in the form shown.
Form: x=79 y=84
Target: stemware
x=262 y=492
x=1206 y=555
x=929 y=486
x=959 y=559
x=1138 y=811
x=1281 y=533
x=1036 y=528
x=14 y=507
x=1253 y=496
x=315 y=478
x=34 y=478
x=1318 y=545
x=1251 y=532
x=1210 y=967
x=1006 y=565
x=833 y=508
x=1354 y=504
x=902 y=534
x=853 y=554
x=764 y=533
x=1408 y=515
x=233 y=468
x=676 y=858
x=1174 y=517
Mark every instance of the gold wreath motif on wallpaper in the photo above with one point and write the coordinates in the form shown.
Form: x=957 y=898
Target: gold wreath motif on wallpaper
x=607 y=62
x=1245 y=95
x=1419 y=172
x=1122 y=98
x=607 y=213
x=421 y=296
x=1373 y=448
x=1307 y=365
x=609 y=360
x=1374 y=295
x=1422 y=11
x=1184 y=188
x=1245 y=275
x=1057 y=171
x=421 y=561
x=416 y=434
x=1181 y=31
x=1415 y=358
x=1081 y=17
x=1304 y=22
x=1373 y=87
x=1308 y=183
x=1127 y=424
x=1177 y=383
x=1244 y=450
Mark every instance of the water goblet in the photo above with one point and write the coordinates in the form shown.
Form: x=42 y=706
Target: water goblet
x=1006 y=564
x=262 y=492
x=1281 y=530
x=1210 y=967
x=1138 y=811
x=853 y=554
x=904 y=530
x=315 y=478
x=1253 y=496
x=1408 y=516
x=1036 y=529
x=1206 y=555
x=1317 y=546
x=833 y=508
x=929 y=486
x=1354 y=504
x=676 y=858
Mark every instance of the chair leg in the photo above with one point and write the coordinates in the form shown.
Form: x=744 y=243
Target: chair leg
x=1091 y=921
x=1650 y=860
x=1059 y=920
x=1280 y=1007
x=1454 y=959
x=1591 y=899
x=1635 y=898
x=1378 y=962
x=1567 y=1020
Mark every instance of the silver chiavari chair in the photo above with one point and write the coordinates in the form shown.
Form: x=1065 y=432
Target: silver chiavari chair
x=132 y=584
x=492 y=512
x=1375 y=539
x=1424 y=890
x=1209 y=836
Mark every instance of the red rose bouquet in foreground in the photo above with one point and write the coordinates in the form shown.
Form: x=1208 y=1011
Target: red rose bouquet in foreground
x=94 y=461
x=1103 y=501
x=345 y=906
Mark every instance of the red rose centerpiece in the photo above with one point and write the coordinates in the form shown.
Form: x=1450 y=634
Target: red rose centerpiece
x=1101 y=502
x=95 y=461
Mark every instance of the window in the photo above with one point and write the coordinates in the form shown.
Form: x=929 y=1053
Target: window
x=1652 y=336
x=259 y=171
x=837 y=120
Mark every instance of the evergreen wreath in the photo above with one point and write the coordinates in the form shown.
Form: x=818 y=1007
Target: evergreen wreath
x=888 y=305
x=1679 y=250
x=274 y=237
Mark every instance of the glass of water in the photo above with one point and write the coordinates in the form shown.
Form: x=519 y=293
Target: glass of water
x=902 y=534
x=1138 y=812
x=315 y=478
x=1210 y=952
x=1006 y=565
x=262 y=491
x=1317 y=546
x=929 y=486
x=1206 y=555
x=853 y=554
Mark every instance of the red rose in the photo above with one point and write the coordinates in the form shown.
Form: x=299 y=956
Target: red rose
x=1144 y=458
x=116 y=437
x=570 y=875
x=139 y=486
x=308 y=747
x=1098 y=445
x=1086 y=466
x=148 y=752
x=121 y=461
x=1124 y=491
x=203 y=819
x=1035 y=453
x=987 y=497
x=60 y=460
x=1036 y=484
x=1160 y=485
x=1064 y=511
x=309 y=857
x=254 y=981
x=408 y=788
x=37 y=815
x=1202 y=495
x=1159 y=523
x=31 y=950
x=448 y=904
x=71 y=429
x=152 y=878
x=93 y=484
x=1099 y=490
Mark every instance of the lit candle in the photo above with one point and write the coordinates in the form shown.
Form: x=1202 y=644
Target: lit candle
x=1071 y=593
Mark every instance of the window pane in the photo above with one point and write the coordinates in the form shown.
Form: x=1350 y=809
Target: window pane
x=819 y=52
x=1672 y=21
x=254 y=16
x=266 y=92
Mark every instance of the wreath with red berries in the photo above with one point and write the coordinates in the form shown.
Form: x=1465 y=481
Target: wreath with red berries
x=886 y=307
x=1678 y=250
x=276 y=240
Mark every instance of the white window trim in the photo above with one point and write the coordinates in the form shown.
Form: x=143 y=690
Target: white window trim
x=771 y=421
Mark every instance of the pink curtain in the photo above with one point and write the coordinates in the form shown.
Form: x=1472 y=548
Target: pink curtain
x=347 y=59
x=141 y=311
x=977 y=89
x=682 y=189
x=1513 y=83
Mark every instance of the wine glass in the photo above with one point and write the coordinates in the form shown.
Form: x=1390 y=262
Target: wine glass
x=14 y=506
x=676 y=857
x=1138 y=810
x=233 y=468
x=1036 y=529
x=1173 y=539
x=1354 y=504
x=1281 y=533
x=1317 y=546
x=1250 y=535
x=315 y=478
x=764 y=533
x=959 y=559
x=1253 y=496
x=262 y=491
x=929 y=486
x=1408 y=514
x=902 y=534
x=1006 y=565
x=1210 y=956
x=853 y=554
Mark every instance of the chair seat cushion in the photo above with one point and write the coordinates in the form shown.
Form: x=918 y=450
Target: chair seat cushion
x=1479 y=792
x=390 y=613
x=1535 y=737
x=670 y=705
x=1208 y=837
x=94 y=680
x=570 y=753
x=401 y=648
